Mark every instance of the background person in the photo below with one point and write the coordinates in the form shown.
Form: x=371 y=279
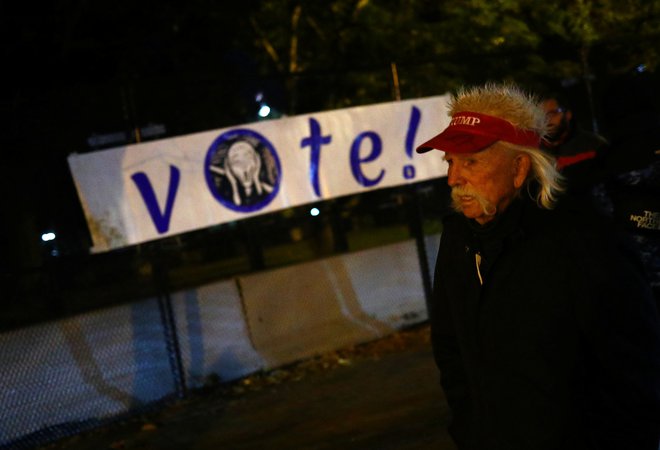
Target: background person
x=631 y=192
x=580 y=153
x=544 y=330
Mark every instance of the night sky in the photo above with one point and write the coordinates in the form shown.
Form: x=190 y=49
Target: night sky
x=78 y=71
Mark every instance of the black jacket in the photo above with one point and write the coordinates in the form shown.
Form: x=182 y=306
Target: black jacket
x=558 y=349
x=581 y=158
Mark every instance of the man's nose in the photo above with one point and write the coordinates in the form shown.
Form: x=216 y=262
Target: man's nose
x=454 y=177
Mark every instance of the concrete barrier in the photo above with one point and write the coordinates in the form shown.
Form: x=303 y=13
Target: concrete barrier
x=62 y=377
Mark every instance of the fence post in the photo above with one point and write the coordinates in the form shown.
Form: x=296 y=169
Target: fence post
x=417 y=230
x=169 y=324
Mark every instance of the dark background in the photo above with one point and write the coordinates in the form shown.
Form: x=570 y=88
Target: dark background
x=78 y=72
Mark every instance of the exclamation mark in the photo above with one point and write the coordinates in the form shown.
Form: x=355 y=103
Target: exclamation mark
x=415 y=115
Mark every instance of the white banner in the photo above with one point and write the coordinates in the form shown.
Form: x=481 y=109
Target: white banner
x=147 y=191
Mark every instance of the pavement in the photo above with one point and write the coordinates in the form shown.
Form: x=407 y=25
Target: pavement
x=380 y=395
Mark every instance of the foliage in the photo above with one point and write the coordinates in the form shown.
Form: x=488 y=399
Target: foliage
x=345 y=49
x=174 y=63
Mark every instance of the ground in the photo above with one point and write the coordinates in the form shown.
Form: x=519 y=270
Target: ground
x=380 y=395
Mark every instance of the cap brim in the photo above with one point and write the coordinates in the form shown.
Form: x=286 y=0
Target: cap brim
x=457 y=141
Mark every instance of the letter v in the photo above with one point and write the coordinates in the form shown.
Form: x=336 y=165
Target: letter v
x=161 y=220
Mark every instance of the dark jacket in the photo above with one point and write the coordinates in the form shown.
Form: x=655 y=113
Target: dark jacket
x=558 y=349
x=581 y=159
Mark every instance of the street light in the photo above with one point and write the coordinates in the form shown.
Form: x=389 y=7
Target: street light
x=48 y=236
x=264 y=110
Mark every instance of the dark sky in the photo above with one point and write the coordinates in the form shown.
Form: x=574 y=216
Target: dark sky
x=76 y=69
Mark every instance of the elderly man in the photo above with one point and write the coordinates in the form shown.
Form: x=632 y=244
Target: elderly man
x=544 y=330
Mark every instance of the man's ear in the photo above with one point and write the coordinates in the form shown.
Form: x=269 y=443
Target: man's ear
x=522 y=164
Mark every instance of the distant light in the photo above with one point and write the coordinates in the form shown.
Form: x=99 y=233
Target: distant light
x=264 y=111
x=50 y=236
x=314 y=212
x=259 y=97
x=641 y=68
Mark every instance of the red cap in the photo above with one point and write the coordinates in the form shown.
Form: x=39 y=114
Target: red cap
x=470 y=132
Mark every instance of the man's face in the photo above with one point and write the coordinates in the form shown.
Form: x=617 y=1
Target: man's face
x=484 y=183
x=558 y=118
x=243 y=163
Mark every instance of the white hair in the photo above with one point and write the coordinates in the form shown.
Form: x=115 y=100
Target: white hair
x=544 y=183
x=509 y=102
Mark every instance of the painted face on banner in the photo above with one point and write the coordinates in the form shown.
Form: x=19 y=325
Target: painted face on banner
x=243 y=170
x=244 y=163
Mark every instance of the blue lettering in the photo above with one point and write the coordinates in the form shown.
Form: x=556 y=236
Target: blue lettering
x=315 y=141
x=356 y=160
x=161 y=220
x=413 y=124
x=415 y=116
